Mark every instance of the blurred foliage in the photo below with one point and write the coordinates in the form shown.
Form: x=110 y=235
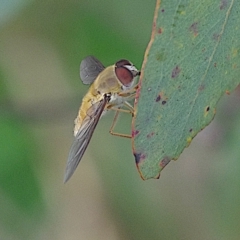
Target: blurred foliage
x=42 y=44
x=19 y=187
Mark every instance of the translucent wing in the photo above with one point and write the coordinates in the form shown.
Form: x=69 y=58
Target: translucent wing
x=90 y=67
x=83 y=137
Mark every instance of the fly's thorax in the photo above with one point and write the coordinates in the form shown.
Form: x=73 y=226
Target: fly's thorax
x=107 y=82
x=116 y=100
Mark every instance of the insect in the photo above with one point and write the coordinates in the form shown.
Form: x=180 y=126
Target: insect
x=110 y=89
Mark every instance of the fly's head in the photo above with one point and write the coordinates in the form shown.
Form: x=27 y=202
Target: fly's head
x=126 y=72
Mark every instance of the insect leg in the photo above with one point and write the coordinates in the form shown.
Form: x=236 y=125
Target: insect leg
x=118 y=110
x=129 y=93
x=129 y=107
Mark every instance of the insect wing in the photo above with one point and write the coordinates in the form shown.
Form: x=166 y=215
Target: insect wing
x=83 y=137
x=90 y=68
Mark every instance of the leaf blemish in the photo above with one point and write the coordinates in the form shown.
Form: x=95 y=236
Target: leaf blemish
x=135 y=133
x=207 y=108
x=176 y=71
x=150 y=135
x=139 y=157
x=201 y=87
x=189 y=140
x=158 y=98
x=164 y=162
x=194 y=28
x=162 y=10
x=223 y=4
x=190 y=130
x=216 y=36
x=160 y=30
x=161 y=97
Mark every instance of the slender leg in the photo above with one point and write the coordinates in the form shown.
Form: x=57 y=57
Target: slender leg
x=118 y=110
x=129 y=106
x=128 y=94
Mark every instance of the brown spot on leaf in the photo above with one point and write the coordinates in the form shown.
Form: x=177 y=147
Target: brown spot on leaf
x=223 y=4
x=160 y=30
x=227 y=92
x=150 y=135
x=176 y=71
x=190 y=130
x=164 y=162
x=216 y=36
x=158 y=98
x=194 y=28
x=201 y=87
x=135 y=133
x=206 y=111
x=162 y=10
x=161 y=97
x=215 y=64
x=139 y=157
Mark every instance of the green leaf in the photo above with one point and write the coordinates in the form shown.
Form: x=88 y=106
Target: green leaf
x=191 y=61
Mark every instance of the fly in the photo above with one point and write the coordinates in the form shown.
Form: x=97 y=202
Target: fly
x=110 y=89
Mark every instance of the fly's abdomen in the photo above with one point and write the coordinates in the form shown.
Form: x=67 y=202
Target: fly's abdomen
x=82 y=113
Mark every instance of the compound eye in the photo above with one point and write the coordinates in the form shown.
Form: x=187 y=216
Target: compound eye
x=124 y=75
x=123 y=62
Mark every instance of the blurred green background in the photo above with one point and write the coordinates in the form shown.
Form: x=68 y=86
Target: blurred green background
x=41 y=46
